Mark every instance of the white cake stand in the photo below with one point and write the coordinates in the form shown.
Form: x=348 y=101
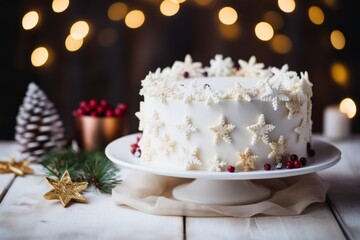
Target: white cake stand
x=220 y=188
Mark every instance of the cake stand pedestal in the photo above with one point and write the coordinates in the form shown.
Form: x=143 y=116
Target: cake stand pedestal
x=220 y=188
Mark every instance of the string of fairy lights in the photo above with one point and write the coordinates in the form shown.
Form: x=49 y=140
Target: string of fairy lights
x=228 y=25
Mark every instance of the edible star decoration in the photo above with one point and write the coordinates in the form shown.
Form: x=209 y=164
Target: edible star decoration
x=187 y=127
x=302 y=131
x=220 y=67
x=222 y=130
x=216 y=164
x=19 y=168
x=275 y=94
x=65 y=190
x=279 y=149
x=246 y=160
x=260 y=130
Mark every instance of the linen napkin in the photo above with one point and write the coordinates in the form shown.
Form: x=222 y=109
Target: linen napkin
x=153 y=194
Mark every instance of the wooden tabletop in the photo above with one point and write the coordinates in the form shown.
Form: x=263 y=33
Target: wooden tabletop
x=24 y=214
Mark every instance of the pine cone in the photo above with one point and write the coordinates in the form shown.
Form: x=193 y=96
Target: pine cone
x=39 y=128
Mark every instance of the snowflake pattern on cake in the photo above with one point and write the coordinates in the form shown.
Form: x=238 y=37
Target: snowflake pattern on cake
x=278 y=149
x=239 y=93
x=167 y=145
x=193 y=69
x=209 y=95
x=190 y=158
x=154 y=124
x=222 y=130
x=187 y=127
x=147 y=150
x=294 y=106
x=140 y=116
x=275 y=94
x=246 y=160
x=302 y=131
x=251 y=68
x=188 y=93
x=260 y=130
x=220 y=67
x=216 y=164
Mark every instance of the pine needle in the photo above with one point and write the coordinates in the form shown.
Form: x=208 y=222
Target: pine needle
x=93 y=168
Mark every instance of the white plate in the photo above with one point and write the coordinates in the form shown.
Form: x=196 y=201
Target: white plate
x=118 y=152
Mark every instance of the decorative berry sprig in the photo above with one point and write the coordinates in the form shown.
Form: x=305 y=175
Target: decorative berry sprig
x=135 y=148
x=101 y=108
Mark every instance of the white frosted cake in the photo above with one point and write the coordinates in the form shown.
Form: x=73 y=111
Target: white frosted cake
x=222 y=117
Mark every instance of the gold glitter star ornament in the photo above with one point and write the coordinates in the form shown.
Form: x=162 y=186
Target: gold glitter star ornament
x=19 y=168
x=65 y=190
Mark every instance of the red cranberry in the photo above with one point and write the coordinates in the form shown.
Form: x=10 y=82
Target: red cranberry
x=303 y=161
x=205 y=74
x=297 y=164
x=93 y=103
x=123 y=107
x=231 y=168
x=294 y=157
x=104 y=103
x=289 y=164
x=83 y=104
x=118 y=112
x=109 y=113
x=186 y=75
x=267 y=167
x=133 y=150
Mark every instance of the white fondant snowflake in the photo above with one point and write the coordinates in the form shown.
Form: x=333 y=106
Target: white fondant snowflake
x=246 y=160
x=278 y=149
x=188 y=93
x=305 y=84
x=222 y=130
x=155 y=123
x=216 y=164
x=188 y=66
x=294 y=106
x=260 y=130
x=251 y=68
x=187 y=127
x=239 y=93
x=275 y=94
x=190 y=158
x=167 y=145
x=146 y=150
x=140 y=115
x=220 y=67
x=209 y=95
x=302 y=131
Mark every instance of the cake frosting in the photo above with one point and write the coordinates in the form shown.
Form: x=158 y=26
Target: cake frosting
x=197 y=117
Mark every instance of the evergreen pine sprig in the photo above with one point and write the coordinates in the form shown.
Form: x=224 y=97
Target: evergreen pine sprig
x=93 y=167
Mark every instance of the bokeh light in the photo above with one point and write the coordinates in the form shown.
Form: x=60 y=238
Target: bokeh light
x=316 y=15
x=287 y=6
x=73 y=44
x=135 y=19
x=264 y=31
x=228 y=15
x=281 y=44
x=79 y=30
x=169 y=7
x=337 y=39
x=59 y=6
x=348 y=107
x=39 y=56
x=340 y=73
x=117 y=11
x=30 y=20
x=275 y=19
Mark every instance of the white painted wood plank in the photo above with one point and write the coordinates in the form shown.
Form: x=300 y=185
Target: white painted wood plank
x=5 y=181
x=25 y=214
x=316 y=222
x=344 y=192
